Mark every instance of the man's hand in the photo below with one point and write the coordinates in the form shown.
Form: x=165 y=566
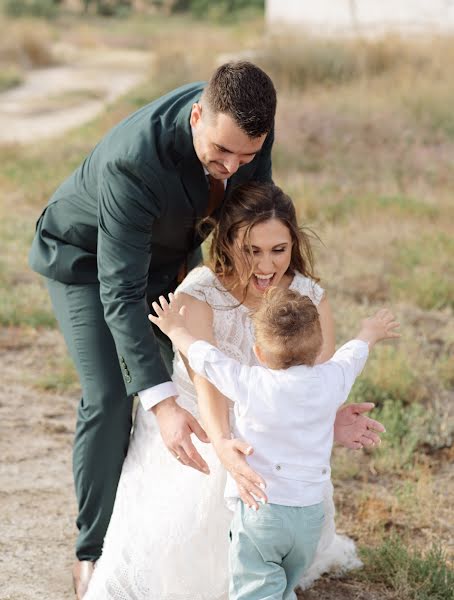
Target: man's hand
x=232 y=455
x=353 y=429
x=176 y=425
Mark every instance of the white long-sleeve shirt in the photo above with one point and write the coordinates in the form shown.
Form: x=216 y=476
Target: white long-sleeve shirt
x=286 y=415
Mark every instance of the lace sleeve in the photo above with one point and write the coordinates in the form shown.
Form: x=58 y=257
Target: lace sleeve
x=308 y=287
x=197 y=283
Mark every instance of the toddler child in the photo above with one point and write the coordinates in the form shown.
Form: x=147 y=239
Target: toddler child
x=286 y=410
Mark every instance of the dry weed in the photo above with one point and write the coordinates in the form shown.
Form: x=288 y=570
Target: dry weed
x=27 y=44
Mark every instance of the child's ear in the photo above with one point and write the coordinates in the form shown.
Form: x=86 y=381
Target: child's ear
x=258 y=352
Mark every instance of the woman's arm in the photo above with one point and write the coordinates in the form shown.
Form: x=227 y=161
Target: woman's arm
x=328 y=330
x=214 y=408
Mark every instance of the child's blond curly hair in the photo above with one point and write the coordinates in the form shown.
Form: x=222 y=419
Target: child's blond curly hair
x=287 y=328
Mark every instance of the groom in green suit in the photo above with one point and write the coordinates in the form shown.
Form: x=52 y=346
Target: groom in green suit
x=119 y=232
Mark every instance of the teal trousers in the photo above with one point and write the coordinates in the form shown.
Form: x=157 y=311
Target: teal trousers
x=270 y=549
x=104 y=415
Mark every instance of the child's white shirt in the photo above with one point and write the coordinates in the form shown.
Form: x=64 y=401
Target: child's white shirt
x=286 y=415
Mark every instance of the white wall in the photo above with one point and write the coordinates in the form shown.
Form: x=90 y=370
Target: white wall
x=326 y=16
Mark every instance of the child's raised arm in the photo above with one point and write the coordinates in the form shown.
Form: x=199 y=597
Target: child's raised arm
x=171 y=320
x=348 y=362
x=228 y=375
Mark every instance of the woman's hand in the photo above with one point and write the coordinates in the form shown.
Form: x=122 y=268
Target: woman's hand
x=232 y=455
x=353 y=429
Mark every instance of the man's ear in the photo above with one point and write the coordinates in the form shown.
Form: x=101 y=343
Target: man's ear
x=196 y=114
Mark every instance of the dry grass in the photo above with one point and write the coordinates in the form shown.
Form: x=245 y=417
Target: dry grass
x=10 y=76
x=26 y=44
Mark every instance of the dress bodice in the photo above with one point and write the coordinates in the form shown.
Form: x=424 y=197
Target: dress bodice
x=232 y=324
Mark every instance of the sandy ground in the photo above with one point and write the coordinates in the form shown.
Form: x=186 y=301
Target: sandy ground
x=37 y=506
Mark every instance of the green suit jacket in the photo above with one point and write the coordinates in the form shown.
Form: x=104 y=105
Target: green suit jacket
x=126 y=218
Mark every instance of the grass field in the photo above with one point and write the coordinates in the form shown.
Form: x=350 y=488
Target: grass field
x=365 y=146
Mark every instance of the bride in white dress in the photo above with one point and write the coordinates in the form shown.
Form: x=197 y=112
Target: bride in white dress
x=169 y=533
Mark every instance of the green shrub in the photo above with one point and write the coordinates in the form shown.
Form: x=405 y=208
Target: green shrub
x=308 y=62
x=396 y=206
x=9 y=77
x=409 y=573
x=390 y=383
x=299 y=62
x=387 y=376
x=406 y=429
x=429 y=105
x=446 y=371
x=61 y=376
x=36 y=8
x=423 y=272
x=223 y=8
x=26 y=304
x=112 y=8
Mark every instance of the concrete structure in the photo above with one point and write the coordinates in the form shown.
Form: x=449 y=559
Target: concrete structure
x=362 y=16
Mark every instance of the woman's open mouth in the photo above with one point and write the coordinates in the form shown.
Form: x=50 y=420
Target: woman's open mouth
x=263 y=282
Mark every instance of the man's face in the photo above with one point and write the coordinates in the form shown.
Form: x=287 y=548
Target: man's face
x=221 y=146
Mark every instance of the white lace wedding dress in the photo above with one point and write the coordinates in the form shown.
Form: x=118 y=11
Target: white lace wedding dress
x=168 y=536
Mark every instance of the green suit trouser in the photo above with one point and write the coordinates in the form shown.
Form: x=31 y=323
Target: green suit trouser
x=104 y=415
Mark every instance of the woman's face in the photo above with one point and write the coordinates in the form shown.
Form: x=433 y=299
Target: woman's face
x=269 y=252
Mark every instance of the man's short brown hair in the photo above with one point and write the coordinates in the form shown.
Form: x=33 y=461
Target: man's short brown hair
x=287 y=328
x=244 y=92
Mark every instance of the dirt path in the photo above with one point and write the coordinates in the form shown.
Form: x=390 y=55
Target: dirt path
x=36 y=499
x=53 y=100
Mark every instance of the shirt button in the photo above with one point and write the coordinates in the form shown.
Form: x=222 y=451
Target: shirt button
x=324 y=471
x=278 y=467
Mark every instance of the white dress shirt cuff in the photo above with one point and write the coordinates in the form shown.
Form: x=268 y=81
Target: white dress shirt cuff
x=153 y=395
x=197 y=355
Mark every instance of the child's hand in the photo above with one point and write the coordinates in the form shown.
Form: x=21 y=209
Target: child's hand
x=381 y=326
x=171 y=315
